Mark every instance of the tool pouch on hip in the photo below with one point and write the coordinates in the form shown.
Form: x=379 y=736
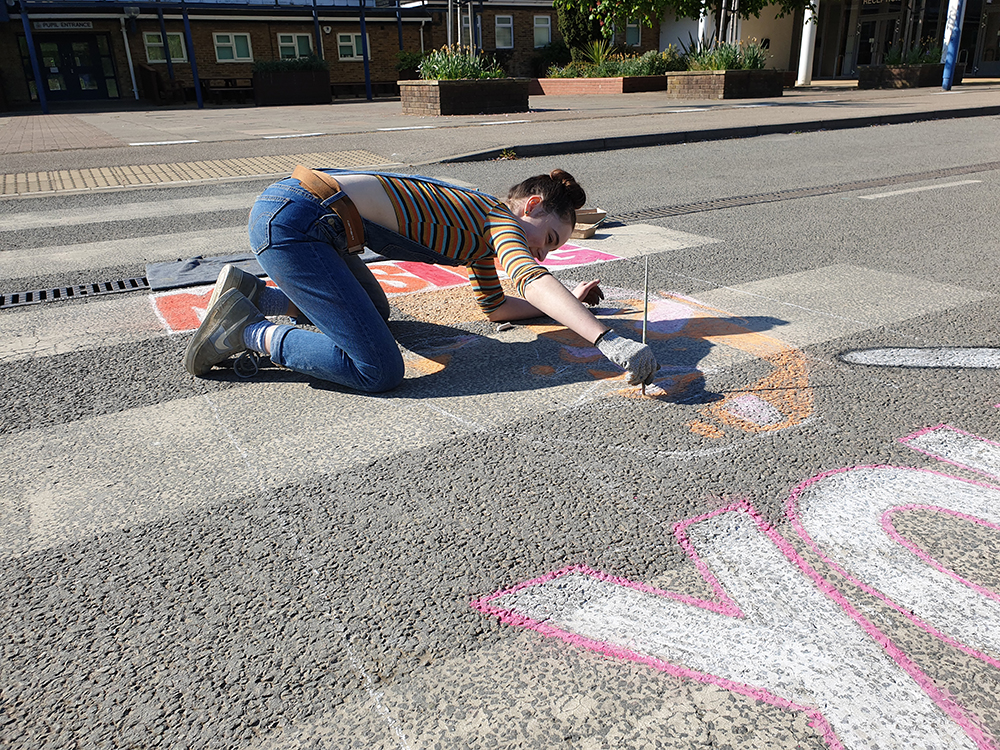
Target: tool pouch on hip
x=323 y=186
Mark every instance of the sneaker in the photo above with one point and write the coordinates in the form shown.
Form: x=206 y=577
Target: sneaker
x=221 y=333
x=232 y=277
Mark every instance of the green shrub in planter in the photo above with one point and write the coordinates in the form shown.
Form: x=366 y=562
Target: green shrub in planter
x=556 y=53
x=458 y=63
x=727 y=56
x=289 y=64
x=408 y=64
x=303 y=80
x=615 y=66
x=928 y=53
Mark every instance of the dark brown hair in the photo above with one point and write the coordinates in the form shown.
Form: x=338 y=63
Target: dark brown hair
x=560 y=193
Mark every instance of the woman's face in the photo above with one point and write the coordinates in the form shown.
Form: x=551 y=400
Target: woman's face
x=544 y=231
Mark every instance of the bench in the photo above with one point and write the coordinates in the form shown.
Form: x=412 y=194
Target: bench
x=218 y=90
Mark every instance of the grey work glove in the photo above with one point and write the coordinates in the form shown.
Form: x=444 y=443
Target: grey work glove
x=635 y=358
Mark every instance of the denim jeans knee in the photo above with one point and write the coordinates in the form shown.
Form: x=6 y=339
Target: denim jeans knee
x=300 y=248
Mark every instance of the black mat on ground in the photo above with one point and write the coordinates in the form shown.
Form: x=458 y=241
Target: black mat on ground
x=199 y=271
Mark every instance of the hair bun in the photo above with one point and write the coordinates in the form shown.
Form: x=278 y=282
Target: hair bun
x=559 y=190
x=576 y=194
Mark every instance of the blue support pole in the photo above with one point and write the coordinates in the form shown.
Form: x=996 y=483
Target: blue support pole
x=364 y=53
x=953 y=37
x=166 y=44
x=191 y=57
x=399 y=24
x=319 y=39
x=36 y=69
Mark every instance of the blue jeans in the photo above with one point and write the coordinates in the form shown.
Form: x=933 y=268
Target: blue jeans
x=300 y=244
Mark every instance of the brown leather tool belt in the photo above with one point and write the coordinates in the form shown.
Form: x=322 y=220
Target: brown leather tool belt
x=323 y=186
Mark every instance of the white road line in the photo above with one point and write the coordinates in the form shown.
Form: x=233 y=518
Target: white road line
x=502 y=122
x=917 y=189
x=65 y=217
x=15 y=264
x=293 y=135
x=161 y=143
x=810 y=307
x=928 y=357
x=681 y=111
x=409 y=127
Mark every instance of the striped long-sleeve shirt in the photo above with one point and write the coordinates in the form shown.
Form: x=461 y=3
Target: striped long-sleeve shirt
x=472 y=228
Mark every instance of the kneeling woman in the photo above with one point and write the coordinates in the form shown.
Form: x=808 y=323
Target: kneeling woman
x=308 y=230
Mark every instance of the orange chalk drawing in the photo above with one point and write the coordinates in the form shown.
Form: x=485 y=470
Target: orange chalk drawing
x=777 y=401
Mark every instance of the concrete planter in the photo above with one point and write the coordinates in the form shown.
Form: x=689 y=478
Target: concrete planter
x=465 y=97
x=620 y=85
x=905 y=76
x=291 y=87
x=725 y=84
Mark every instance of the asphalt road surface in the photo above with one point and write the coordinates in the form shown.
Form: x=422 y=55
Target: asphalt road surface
x=793 y=541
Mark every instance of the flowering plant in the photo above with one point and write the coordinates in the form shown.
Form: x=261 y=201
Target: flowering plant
x=457 y=62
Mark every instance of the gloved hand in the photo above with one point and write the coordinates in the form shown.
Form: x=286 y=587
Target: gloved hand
x=635 y=358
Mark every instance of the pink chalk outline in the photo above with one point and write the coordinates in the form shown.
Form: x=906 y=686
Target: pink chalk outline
x=890 y=530
x=965 y=720
x=906 y=441
x=724 y=605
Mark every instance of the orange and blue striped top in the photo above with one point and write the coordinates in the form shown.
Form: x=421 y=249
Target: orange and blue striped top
x=468 y=226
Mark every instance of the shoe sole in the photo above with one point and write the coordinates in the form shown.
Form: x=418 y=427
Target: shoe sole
x=207 y=330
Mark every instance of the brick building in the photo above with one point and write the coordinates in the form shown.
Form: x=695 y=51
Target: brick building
x=100 y=50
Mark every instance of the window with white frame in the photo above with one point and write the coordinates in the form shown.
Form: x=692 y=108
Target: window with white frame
x=633 y=36
x=465 y=34
x=543 y=31
x=349 y=47
x=294 y=45
x=154 y=48
x=505 y=32
x=232 y=48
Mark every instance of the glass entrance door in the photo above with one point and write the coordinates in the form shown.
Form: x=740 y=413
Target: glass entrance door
x=988 y=48
x=77 y=67
x=875 y=38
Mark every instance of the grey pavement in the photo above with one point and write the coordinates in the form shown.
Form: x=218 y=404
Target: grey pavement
x=790 y=543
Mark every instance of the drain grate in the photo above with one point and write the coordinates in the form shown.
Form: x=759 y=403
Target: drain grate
x=784 y=195
x=19 y=299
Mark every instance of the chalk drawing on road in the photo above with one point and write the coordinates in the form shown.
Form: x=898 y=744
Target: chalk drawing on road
x=957 y=447
x=775 y=631
x=182 y=310
x=845 y=516
x=926 y=357
x=681 y=331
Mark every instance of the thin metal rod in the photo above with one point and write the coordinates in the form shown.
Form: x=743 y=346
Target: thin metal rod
x=645 y=309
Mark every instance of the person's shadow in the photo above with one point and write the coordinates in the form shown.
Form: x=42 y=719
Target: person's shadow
x=466 y=364
x=446 y=361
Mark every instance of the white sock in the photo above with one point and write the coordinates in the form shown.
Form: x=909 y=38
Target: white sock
x=255 y=334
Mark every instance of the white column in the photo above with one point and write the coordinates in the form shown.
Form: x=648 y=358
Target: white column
x=703 y=26
x=808 y=44
x=128 y=56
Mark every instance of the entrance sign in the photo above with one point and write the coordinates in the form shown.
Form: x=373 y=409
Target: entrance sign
x=62 y=25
